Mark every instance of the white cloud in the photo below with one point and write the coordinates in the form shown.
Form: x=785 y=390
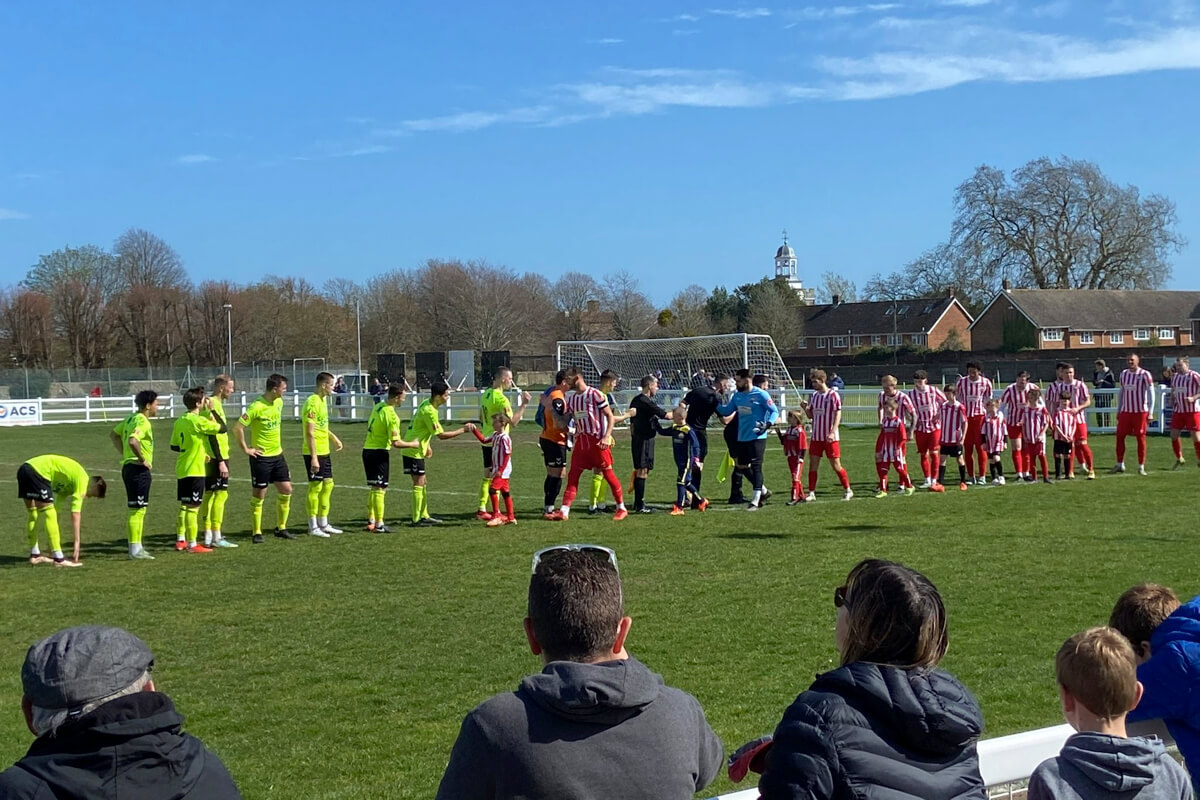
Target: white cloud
x=8 y=213
x=965 y=3
x=474 y=120
x=195 y=158
x=606 y=40
x=1052 y=10
x=740 y=13
x=685 y=32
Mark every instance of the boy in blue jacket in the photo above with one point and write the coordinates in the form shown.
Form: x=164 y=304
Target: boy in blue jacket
x=1166 y=639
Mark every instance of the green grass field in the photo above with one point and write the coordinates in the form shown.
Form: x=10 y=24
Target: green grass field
x=342 y=668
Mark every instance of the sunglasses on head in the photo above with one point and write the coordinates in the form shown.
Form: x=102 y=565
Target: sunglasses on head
x=595 y=550
x=839 y=597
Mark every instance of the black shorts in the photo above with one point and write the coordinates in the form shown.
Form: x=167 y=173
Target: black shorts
x=487 y=456
x=702 y=438
x=324 y=468
x=32 y=486
x=378 y=468
x=951 y=450
x=137 y=485
x=1062 y=448
x=413 y=466
x=751 y=452
x=643 y=453
x=731 y=437
x=190 y=491
x=266 y=470
x=553 y=453
x=213 y=482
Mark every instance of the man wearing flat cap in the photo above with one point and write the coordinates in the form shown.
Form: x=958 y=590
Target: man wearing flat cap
x=102 y=730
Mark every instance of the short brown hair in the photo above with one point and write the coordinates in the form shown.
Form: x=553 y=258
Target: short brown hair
x=1142 y=609
x=896 y=616
x=1098 y=667
x=575 y=605
x=817 y=374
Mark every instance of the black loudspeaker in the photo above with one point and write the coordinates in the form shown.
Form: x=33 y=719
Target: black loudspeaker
x=390 y=366
x=489 y=362
x=431 y=366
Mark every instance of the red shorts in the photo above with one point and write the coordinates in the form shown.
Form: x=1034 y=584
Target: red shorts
x=500 y=484
x=1016 y=432
x=1132 y=423
x=974 y=436
x=831 y=449
x=928 y=442
x=588 y=454
x=1185 y=421
x=1034 y=448
x=1081 y=433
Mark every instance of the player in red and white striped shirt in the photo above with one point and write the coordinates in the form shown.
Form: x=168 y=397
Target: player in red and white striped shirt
x=1062 y=426
x=927 y=429
x=500 y=471
x=795 y=447
x=890 y=447
x=588 y=408
x=904 y=406
x=1081 y=398
x=1035 y=419
x=953 y=418
x=1185 y=408
x=974 y=391
x=995 y=439
x=824 y=408
x=1012 y=403
x=1135 y=404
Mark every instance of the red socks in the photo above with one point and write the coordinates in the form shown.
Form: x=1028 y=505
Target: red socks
x=610 y=478
x=844 y=478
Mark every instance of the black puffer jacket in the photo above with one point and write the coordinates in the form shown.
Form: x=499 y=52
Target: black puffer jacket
x=872 y=732
x=130 y=748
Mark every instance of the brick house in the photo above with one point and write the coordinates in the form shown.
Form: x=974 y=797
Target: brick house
x=839 y=327
x=1080 y=319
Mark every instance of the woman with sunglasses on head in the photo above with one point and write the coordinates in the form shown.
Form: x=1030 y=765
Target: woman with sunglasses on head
x=886 y=723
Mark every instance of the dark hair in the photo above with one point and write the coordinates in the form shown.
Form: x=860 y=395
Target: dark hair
x=759 y=380
x=743 y=374
x=720 y=376
x=973 y=365
x=647 y=380
x=950 y=388
x=560 y=376
x=395 y=390
x=222 y=380
x=438 y=388
x=896 y=616
x=575 y=605
x=920 y=375
x=275 y=381
x=324 y=376
x=1061 y=365
x=1142 y=609
x=609 y=375
x=144 y=398
x=101 y=486
x=193 y=397
x=1024 y=373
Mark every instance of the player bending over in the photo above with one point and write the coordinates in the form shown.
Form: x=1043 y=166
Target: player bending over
x=40 y=481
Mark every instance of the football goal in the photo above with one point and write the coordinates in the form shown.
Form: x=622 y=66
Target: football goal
x=679 y=360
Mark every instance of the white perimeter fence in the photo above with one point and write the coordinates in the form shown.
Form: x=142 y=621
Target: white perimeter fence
x=859 y=407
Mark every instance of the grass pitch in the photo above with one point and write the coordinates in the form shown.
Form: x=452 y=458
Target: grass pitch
x=342 y=668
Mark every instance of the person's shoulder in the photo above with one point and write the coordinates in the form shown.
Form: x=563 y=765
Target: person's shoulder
x=1047 y=777
x=496 y=715
x=17 y=783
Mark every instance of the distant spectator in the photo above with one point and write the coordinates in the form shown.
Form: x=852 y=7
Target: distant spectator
x=377 y=390
x=699 y=379
x=835 y=381
x=887 y=722
x=1103 y=378
x=95 y=392
x=1164 y=377
x=1166 y=640
x=103 y=730
x=594 y=722
x=1097 y=685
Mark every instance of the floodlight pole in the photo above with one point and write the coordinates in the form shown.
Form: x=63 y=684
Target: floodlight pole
x=358 y=332
x=229 y=336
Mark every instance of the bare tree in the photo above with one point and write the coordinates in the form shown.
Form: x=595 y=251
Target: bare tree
x=933 y=274
x=574 y=296
x=775 y=310
x=81 y=283
x=687 y=314
x=154 y=286
x=633 y=314
x=835 y=285
x=26 y=325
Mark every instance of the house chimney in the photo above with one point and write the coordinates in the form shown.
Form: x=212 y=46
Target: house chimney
x=1005 y=285
x=837 y=300
x=950 y=292
x=593 y=306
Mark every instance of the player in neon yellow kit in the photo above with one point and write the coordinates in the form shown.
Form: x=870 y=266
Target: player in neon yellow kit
x=264 y=417
x=314 y=417
x=423 y=427
x=216 y=469
x=188 y=440
x=383 y=431
x=39 y=481
x=492 y=402
x=133 y=438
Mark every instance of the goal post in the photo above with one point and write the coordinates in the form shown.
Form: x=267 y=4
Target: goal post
x=677 y=359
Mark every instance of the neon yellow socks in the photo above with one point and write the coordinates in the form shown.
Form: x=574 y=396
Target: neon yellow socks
x=189 y=524
x=50 y=514
x=418 y=504
x=31 y=528
x=375 y=504
x=217 y=511
x=137 y=521
x=597 y=489
x=484 y=489
x=313 y=499
x=325 y=499
x=256 y=504
x=181 y=524
x=283 y=507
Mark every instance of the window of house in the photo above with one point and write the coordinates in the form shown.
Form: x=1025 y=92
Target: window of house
x=1116 y=337
x=1166 y=333
x=1087 y=337
x=803 y=344
x=1052 y=335
x=888 y=310
x=895 y=339
x=1141 y=334
x=903 y=310
x=918 y=338
x=858 y=340
x=876 y=340
x=820 y=341
x=839 y=341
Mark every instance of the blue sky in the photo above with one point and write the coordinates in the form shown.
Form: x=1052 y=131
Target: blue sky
x=673 y=140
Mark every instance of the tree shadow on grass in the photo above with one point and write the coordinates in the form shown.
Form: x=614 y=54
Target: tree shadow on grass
x=755 y=536
x=859 y=528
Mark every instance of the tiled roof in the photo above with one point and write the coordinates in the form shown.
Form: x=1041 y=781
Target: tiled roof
x=911 y=316
x=1106 y=309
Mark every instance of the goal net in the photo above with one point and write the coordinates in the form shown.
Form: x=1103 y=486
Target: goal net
x=680 y=361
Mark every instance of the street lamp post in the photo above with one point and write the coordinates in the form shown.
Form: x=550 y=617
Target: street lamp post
x=229 y=336
x=358 y=332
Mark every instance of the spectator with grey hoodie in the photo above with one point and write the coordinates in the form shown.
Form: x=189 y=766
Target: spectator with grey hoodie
x=1098 y=686
x=595 y=722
